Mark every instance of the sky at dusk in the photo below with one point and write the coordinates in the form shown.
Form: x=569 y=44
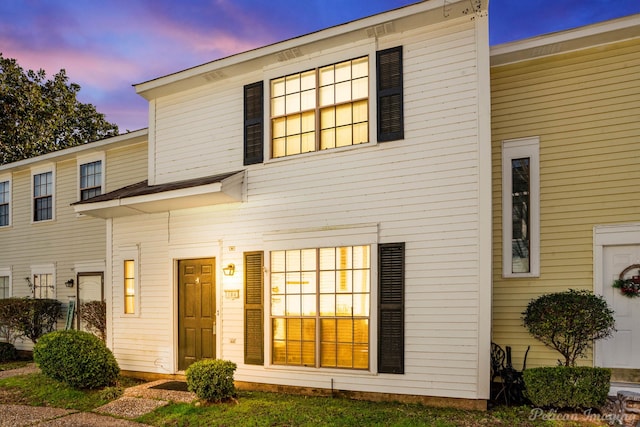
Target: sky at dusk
x=107 y=46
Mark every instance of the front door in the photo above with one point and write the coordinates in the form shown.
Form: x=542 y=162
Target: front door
x=196 y=311
x=90 y=288
x=623 y=349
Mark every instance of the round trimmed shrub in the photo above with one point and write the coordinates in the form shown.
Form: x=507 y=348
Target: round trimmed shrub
x=77 y=358
x=8 y=352
x=212 y=379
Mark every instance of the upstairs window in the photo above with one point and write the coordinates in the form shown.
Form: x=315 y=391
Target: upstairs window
x=320 y=109
x=43 y=196
x=5 y=203
x=90 y=180
x=521 y=208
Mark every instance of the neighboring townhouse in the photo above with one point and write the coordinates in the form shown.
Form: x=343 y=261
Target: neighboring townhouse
x=317 y=211
x=48 y=250
x=566 y=173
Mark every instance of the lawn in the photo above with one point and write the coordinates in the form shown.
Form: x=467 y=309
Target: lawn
x=269 y=409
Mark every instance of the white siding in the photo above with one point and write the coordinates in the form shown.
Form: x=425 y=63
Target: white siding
x=423 y=190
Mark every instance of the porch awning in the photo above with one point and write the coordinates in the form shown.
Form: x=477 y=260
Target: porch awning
x=142 y=198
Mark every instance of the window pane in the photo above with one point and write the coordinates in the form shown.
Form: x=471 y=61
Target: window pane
x=326 y=75
x=279 y=331
x=308 y=80
x=308 y=100
x=279 y=127
x=293 y=305
x=292 y=103
x=360 y=88
x=343 y=305
x=277 y=106
x=277 y=87
x=293 y=124
x=344 y=136
x=279 y=147
x=279 y=353
x=294 y=329
x=328 y=139
x=520 y=195
x=293 y=84
x=327 y=282
x=343 y=92
x=293 y=145
x=343 y=71
x=308 y=141
x=360 y=67
x=327 y=95
x=328 y=305
x=328 y=118
x=360 y=133
x=343 y=115
x=308 y=121
x=327 y=258
x=309 y=305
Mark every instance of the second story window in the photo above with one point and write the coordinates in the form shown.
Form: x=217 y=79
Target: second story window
x=90 y=180
x=5 y=200
x=320 y=109
x=43 y=196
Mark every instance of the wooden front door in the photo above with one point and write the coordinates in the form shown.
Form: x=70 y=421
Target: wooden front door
x=196 y=311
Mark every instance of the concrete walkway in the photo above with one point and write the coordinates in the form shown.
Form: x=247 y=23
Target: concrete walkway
x=135 y=402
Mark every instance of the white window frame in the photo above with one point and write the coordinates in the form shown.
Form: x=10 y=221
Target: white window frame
x=128 y=253
x=44 y=269
x=90 y=158
x=6 y=272
x=7 y=178
x=36 y=171
x=517 y=149
x=366 y=48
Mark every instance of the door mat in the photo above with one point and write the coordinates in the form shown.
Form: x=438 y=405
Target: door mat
x=172 y=385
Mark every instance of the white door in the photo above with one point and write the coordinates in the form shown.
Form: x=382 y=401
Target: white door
x=623 y=349
x=89 y=289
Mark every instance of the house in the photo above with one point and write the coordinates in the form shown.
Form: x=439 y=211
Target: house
x=566 y=172
x=48 y=250
x=317 y=211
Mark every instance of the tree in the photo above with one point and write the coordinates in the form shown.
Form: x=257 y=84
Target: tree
x=38 y=116
x=569 y=322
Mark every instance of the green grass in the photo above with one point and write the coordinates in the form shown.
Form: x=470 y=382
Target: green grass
x=267 y=409
x=273 y=409
x=14 y=365
x=39 y=390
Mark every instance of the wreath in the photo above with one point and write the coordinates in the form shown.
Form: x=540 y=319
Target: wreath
x=628 y=287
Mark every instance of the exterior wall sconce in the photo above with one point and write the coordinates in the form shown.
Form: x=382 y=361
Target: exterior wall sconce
x=229 y=270
x=69 y=283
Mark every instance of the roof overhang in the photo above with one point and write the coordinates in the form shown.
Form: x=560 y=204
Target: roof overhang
x=141 y=198
x=417 y=15
x=598 y=34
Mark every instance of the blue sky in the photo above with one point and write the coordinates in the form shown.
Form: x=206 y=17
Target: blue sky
x=106 y=46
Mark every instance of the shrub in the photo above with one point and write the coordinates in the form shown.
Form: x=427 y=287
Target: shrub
x=8 y=352
x=212 y=379
x=569 y=322
x=30 y=318
x=567 y=386
x=77 y=358
x=94 y=315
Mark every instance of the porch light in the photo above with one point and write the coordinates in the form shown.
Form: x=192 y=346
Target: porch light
x=229 y=270
x=69 y=283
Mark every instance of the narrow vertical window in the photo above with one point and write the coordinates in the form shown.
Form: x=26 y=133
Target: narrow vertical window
x=390 y=94
x=5 y=200
x=253 y=123
x=4 y=287
x=90 y=180
x=43 y=196
x=520 y=198
x=129 y=286
x=253 y=308
x=391 y=308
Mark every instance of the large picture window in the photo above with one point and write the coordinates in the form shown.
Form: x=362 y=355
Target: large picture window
x=320 y=307
x=320 y=109
x=520 y=198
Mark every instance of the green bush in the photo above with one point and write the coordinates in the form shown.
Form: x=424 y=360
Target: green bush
x=28 y=317
x=212 y=379
x=8 y=352
x=569 y=322
x=77 y=358
x=573 y=387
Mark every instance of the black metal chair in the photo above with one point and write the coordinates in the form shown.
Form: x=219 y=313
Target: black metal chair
x=512 y=389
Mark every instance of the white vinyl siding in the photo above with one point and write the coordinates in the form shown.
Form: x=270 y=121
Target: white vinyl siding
x=422 y=190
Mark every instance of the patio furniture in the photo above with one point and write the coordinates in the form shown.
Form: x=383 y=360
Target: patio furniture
x=512 y=381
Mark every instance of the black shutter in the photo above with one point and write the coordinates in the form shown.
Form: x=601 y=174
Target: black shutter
x=389 y=93
x=253 y=123
x=253 y=308
x=391 y=308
